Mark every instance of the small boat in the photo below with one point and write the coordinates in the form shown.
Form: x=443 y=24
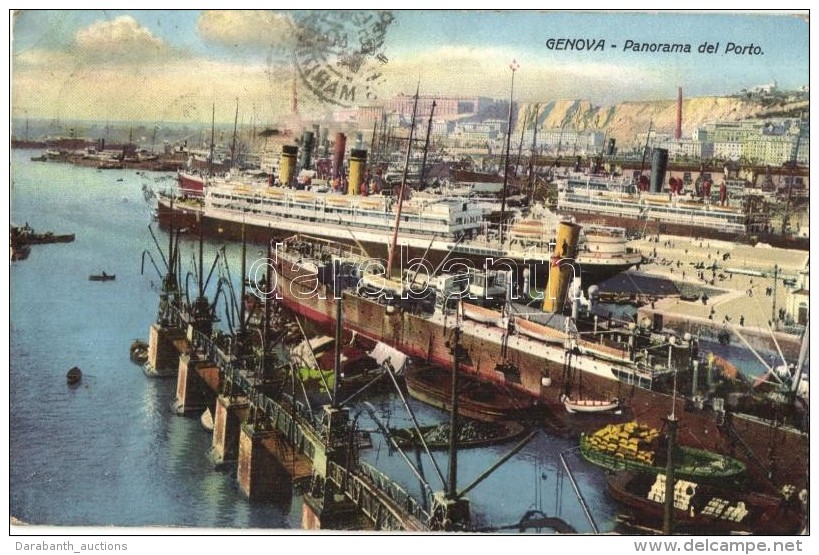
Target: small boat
x=73 y=376
x=539 y=331
x=639 y=448
x=483 y=315
x=574 y=405
x=207 y=420
x=139 y=351
x=316 y=360
x=579 y=402
x=471 y=433
x=102 y=277
x=477 y=399
x=705 y=509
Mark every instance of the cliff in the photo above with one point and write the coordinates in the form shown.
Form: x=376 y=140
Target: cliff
x=627 y=120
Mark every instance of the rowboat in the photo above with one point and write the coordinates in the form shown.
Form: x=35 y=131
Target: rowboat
x=589 y=405
x=73 y=376
x=102 y=277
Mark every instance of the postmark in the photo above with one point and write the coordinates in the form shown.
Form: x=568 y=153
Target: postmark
x=339 y=55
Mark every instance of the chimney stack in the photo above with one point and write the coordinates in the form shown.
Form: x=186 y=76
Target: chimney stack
x=678 y=129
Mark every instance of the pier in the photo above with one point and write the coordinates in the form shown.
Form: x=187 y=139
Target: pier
x=276 y=442
x=266 y=428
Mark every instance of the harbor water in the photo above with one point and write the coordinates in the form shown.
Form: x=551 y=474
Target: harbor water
x=111 y=452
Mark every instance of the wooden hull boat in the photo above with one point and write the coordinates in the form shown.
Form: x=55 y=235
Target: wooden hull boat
x=574 y=405
x=207 y=420
x=139 y=352
x=637 y=448
x=477 y=399
x=704 y=509
x=471 y=434
x=74 y=376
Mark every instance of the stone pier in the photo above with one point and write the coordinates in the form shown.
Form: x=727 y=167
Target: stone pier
x=164 y=347
x=268 y=464
x=196 y=384
x=230 y=413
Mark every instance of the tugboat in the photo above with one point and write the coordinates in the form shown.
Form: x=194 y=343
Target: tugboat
x=26 y=235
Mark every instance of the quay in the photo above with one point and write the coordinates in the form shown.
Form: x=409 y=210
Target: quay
x=275 y=441
x=754 y=295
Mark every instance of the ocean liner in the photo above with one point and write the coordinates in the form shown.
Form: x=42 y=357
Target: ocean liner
x=647 y=368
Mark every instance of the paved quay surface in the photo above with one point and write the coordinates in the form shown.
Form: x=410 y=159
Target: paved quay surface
x=742 y=295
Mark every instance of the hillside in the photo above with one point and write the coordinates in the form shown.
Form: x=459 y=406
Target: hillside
x=627 y=120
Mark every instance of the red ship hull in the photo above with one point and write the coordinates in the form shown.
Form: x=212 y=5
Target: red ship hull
x=774 y=455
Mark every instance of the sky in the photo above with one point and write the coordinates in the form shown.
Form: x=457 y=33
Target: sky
x=175 y=65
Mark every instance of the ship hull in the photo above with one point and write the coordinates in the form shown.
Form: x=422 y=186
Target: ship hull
x=192 y=185
x=537 y=372
x=708 y=510
x=191 y=216
x=641 y=227
x=478 y=399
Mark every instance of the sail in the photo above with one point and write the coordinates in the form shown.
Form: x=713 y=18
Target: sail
x=384 y=353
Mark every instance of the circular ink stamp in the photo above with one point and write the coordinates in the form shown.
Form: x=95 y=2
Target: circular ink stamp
x=339 y=55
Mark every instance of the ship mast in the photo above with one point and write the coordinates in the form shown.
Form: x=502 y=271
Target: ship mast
x=513 y=66
x=645 y=148
x=233 y=144
x=426 y=145
x=391 y=254
x=212 y=124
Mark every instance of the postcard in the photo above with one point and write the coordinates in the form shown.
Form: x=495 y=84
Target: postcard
x=481 y=272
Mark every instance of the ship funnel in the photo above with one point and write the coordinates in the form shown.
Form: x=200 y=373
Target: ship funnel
x=338 y=155
x=287 y=168
x=358 y=163
x=659 y=163
x=561 y=267
x=323 y=142
x=307 y=140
